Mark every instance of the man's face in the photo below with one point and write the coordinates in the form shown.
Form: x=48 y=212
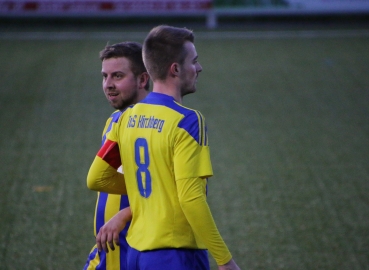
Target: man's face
x=119 y=83
x=189 y=70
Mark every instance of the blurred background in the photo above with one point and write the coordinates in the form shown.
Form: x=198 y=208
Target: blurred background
x=285 y=92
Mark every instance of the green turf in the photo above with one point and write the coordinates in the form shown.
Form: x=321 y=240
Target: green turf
x=288 y=121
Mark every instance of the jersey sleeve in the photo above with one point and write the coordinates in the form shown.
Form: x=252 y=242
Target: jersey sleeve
x=110 y=122
x=192 y=198
x=105 y=178
x=191 y=148
x=192 y=165
x=103 y=175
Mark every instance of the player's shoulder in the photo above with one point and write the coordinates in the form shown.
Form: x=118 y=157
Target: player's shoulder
x=186 y=114
x=188 y=119
x=193 y=122
x=186 y=111
x=189 y=115
x=115 y=116
x=113 y=120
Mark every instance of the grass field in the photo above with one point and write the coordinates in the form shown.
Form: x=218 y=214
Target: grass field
x=288 y=121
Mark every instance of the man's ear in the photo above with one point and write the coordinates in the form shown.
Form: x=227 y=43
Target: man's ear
x=174 y=69
x=144 y=78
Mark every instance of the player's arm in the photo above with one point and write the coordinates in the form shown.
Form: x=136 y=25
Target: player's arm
x=103 y=175
x=192 y=166
x=109 y=233
x=192 y=197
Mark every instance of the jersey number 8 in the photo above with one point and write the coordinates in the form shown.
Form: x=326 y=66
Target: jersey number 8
x=143 y=161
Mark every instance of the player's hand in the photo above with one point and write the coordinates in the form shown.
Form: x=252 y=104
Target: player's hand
x=109 y=233
x=231 y=265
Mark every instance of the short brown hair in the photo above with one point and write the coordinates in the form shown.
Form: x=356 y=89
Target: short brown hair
x=128 y=49
x=163 y=46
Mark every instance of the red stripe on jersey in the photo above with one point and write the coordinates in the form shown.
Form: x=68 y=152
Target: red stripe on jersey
x=109 y=152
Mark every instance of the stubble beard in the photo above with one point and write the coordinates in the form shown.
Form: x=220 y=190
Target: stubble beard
x=124 y=103
x=187 y=89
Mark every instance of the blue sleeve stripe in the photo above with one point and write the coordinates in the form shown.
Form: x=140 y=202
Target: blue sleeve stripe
x=124 y=202
x=205 y=131
x=206 y=136
x=191 y=124
x=200 y=123
x=203 y=136
x=100 y=211
x=114 y=119
x=115 y=116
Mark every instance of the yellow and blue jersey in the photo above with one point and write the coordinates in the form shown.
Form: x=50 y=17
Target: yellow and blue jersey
x=107 y=205
x=159 y=147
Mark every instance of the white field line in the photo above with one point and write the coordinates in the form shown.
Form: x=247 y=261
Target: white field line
x=199 y=35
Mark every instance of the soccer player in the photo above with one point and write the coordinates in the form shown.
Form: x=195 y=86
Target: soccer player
x=164 y=149
x=125 y=82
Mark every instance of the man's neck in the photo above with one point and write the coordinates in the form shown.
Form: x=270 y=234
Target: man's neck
x=167 y=89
